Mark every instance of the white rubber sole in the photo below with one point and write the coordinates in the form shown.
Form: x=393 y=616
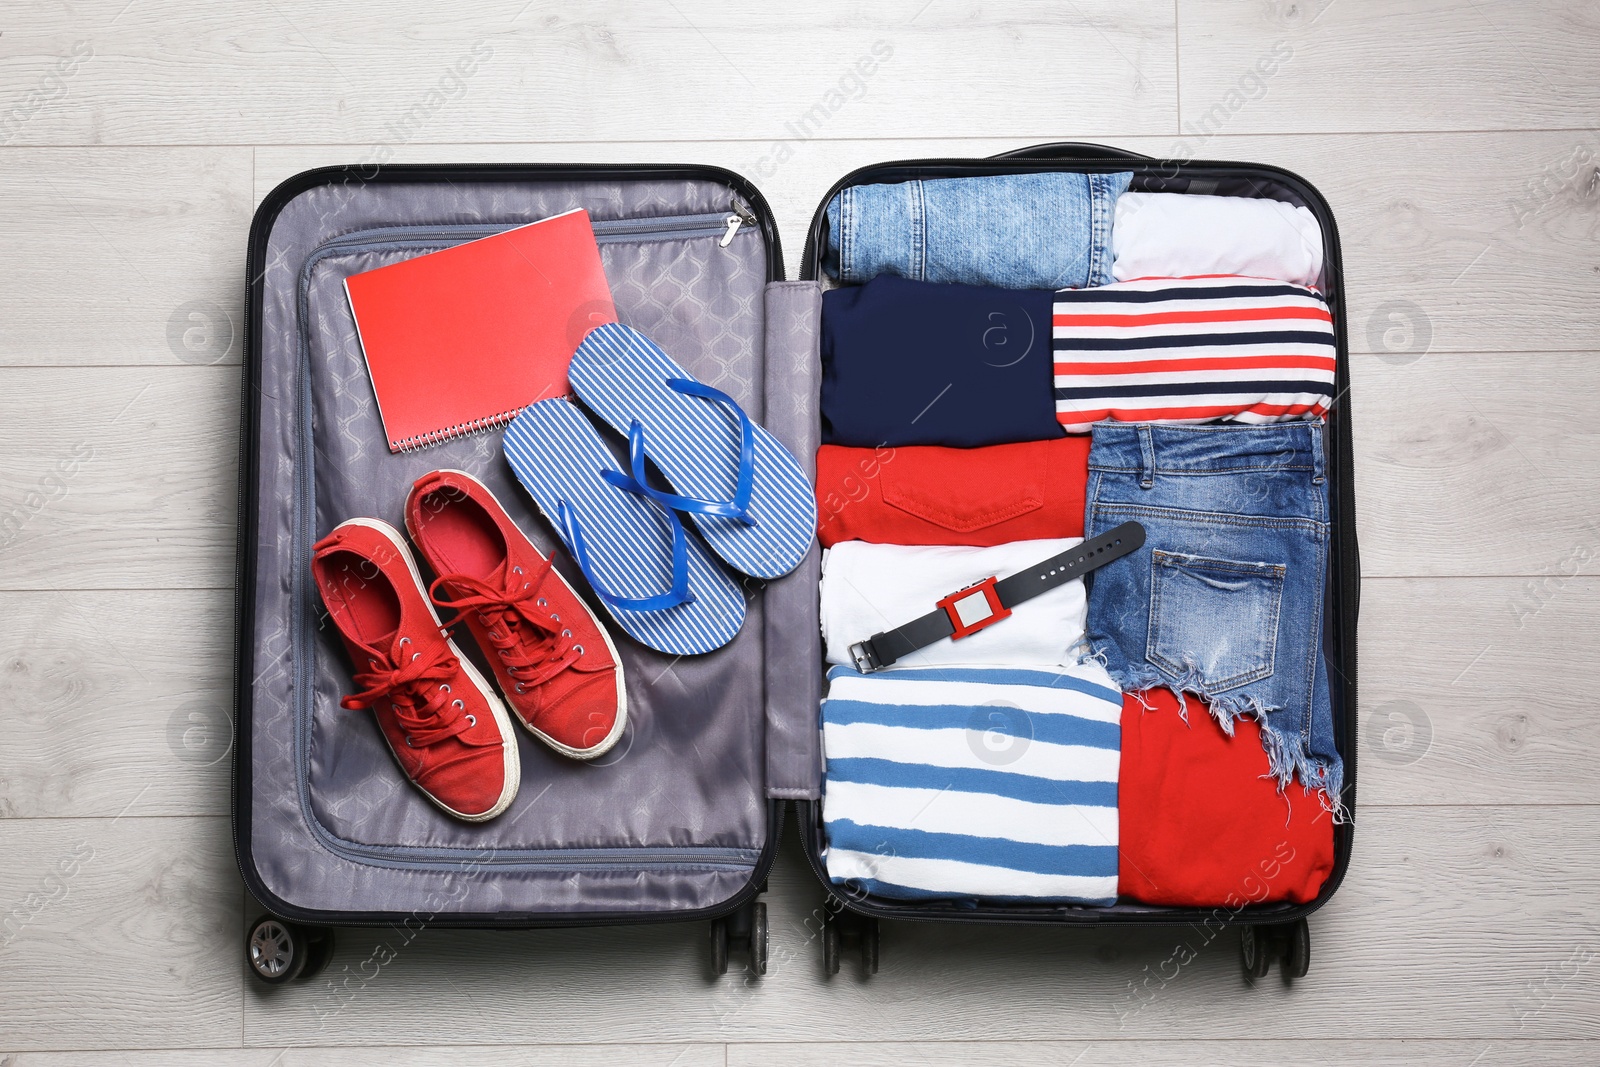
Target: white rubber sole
x=611 y=739
x=502 y=718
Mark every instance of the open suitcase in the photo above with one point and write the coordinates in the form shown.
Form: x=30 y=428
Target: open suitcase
x=681 y=821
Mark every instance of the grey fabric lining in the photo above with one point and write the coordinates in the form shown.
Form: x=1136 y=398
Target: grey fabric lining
x=684 y=787
x=794 y=642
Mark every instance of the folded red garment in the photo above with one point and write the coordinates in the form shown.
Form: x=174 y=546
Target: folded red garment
x=1201 y=824
x=929 y=495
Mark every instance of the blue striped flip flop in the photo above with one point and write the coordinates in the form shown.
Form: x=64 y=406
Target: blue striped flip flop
x=741 y=488
x=660 y=585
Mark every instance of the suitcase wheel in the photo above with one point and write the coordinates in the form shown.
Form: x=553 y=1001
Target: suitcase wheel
x=758 y=940
x=1253 y=951
x=719 y=947
x=869 y=947
x=1297 y=949
x=830 y=948
x=746 y=928
x=277 y=951
x=843 y=928
x=1289 y=942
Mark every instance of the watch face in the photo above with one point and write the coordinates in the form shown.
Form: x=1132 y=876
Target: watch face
x=972 y=608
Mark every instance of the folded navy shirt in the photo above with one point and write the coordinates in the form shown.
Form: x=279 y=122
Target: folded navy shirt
x=919 y=363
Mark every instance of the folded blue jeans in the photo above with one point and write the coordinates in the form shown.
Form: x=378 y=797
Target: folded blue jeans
x=1225 y=599
x=1016 y=231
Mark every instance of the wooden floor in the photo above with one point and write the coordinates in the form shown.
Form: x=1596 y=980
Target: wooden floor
x=1459 y=146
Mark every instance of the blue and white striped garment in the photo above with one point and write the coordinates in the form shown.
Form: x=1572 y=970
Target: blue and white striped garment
x=621 y=375
x=558 y=455
x=991 y=782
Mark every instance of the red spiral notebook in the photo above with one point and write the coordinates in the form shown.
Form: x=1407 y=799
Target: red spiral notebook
x=463 y=339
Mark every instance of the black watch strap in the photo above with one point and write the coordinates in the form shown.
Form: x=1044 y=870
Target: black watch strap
x=953 y=618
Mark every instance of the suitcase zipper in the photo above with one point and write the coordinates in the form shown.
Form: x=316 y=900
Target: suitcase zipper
x=606 y=231
x=534 y=859
x=741 y=215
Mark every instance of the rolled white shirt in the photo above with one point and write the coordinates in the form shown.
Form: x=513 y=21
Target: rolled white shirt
x=1179 y=235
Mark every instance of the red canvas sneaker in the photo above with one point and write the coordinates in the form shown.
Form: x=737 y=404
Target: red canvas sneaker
x=444 y=724
x=553 y=660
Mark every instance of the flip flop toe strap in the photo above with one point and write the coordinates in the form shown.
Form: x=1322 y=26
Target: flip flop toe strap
x=739 y=506
x=673 y=597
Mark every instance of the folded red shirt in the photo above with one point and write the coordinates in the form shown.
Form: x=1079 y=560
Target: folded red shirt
x=1201 y=824
x=930 y=495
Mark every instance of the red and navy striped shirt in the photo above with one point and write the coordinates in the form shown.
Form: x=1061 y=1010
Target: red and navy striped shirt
x=1201 y=349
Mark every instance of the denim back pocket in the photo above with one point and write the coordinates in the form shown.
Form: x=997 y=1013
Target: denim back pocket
x=1213 y=622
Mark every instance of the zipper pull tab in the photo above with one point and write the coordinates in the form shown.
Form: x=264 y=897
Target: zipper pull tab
x=741 y=215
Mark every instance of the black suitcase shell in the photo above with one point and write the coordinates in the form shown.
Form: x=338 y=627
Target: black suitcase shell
x=1285 y=929
x=347 y=219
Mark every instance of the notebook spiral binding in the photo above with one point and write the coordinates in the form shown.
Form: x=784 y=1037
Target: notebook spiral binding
x=450 y=433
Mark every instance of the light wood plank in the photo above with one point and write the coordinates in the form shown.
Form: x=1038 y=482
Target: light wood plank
x=1133 y=1053
x=1462 y=695
x=1375 y=65
x=118 y=478
x=118 y=933
x=125 y=477
x=392 y=1056
x=1422 y=223
x=108 y=696
x=1118 y=1053
x=1428 y=896
x=1477 y=464
x=1447 y=715
x=297 y=71
x=123 y=255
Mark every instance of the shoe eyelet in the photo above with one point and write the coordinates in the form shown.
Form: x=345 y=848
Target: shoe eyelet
x=472 y=720
x=501 y=653
x=405 y=641
x=556 y=616
x=409 y=743
x=566 y=633
x=460 y=705
x=520 y=688
x=444 y=688
x=372 y=662
x=416 y=655
x=578 y=649
x=542 y=602
x=516 y=570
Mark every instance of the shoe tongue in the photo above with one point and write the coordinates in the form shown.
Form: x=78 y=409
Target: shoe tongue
x=380 y=648
x=393 y=651
x=380 y=654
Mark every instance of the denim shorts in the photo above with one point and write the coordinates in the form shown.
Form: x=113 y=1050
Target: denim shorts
x=1225 y=599
x=1015 y=231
